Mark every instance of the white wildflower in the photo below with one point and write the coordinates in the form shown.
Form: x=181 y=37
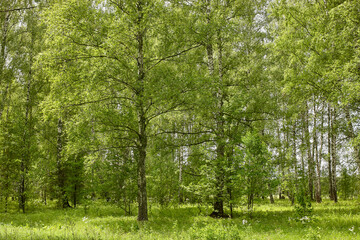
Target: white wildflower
x=244 y=221
x=305 y=219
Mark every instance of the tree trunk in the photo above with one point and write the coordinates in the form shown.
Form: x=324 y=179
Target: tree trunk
x=303 y=143
x=6 y=165
x=220 y=181
x=44 y=196
x=6 y=191
x=219 y=119
x=142 y=136
x=74 y=196
x=351 y=135
x=28 y=131
x=250 y=196
x=180 y=193
x=309 y=156
x=4 y=35
x=294 y=155
x=315 y=154
x=318 y=159
x=22 y=197
x=230 y=160
x=61 y=175
x=220 y=146
x=334 y=155
x=142 y=193
x=271 y=195
x=331 y=193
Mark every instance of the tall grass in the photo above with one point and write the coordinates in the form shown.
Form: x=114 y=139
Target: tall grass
x=106 y=221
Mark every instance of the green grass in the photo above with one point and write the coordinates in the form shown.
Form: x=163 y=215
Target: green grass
x=105 y=221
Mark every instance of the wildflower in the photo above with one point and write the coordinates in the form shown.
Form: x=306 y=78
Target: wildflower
x=244 y=221
x=305 y=219
x=352 y=229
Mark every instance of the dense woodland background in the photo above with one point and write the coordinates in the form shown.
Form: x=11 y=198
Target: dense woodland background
x=162 y=102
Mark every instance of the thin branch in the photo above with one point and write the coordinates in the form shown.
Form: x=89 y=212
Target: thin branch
x=121 y=126
x=120 y=6
x=96 y=101
x=182 y=133
x=99 y=46
x=301 y=23
x=83 y=44
x=18 y=9
x=88 y=57
x=190 y=144
x=159 y=113
x=172 y=56
x=193 y=174
x=109 y=148
x=133 y=89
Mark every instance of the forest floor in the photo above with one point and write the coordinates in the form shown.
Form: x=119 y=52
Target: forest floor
x=106 y=221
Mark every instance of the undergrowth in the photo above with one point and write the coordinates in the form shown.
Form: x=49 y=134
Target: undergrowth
x=105 y=221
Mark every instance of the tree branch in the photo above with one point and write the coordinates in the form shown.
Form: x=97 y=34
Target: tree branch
x=159 y=60
x=182 y=133
x=96 y=101
x=17 y=9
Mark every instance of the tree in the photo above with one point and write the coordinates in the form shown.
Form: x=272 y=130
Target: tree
x=311 y=47
x=6 y=76
x=113 y=55
x=256 y=167
x=19 y=90
x=227 y=63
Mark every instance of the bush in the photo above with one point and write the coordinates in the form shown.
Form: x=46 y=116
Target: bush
x=303 y=208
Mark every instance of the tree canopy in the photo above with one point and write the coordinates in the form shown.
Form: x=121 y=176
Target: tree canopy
x=171 y=102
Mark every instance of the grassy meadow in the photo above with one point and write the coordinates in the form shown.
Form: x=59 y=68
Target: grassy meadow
x=106 y=221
